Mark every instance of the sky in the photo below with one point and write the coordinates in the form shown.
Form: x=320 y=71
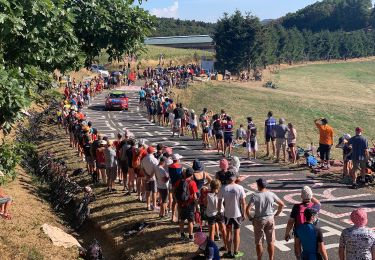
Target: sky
x=212 y=10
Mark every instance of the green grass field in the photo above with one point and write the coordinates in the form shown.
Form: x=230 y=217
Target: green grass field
x=150 y=57
x=341 y=92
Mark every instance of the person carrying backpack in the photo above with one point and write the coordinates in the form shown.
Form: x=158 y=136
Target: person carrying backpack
x=186 y=195
x=297 y=216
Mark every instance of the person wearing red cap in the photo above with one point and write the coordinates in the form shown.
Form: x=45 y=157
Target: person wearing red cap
x=358 y=241
x=149 y=164
x=360 y=155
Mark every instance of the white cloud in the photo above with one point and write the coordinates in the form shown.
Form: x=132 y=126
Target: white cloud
x=169 y=12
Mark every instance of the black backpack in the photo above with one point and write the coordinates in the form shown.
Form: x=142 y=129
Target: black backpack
x=182 y=192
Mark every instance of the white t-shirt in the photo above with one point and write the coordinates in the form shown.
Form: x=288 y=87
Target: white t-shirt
x=160 y=174
x=212 y=205
x=232 y=195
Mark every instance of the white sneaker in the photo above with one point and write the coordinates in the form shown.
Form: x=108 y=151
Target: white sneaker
x=140 y=198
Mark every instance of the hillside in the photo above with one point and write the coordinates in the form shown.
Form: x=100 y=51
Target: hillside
x=346 y=15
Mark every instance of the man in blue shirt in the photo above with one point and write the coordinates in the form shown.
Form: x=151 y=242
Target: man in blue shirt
x=309 y=239
x=359 y=155
x=269 y=135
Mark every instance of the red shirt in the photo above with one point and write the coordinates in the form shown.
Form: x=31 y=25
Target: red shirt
x=193 y=189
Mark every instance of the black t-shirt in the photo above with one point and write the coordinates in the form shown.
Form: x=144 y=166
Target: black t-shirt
x=129 y=154
x=178 y=113
x=217 y=126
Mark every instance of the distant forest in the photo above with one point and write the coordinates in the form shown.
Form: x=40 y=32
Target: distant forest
x=177 y=27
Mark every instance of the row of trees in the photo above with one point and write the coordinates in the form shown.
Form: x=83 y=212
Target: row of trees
x=177 y=27
x=243 y=43
x=38 y=37
x=346 y=15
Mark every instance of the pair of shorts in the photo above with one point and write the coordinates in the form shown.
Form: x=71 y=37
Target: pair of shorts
x=228 y=138
x=192 y=126
x=163 y=195
x=251 y=146
x=177 y=123
x=5 y=200
x=214 y=219
x=292 y=145
x=270 y=138
x=280 y=143
x=124 y=166
x=235 y=222
x=166 y=115
x=90 y=161
x=150 y=186
x=142 y=99
x=264 y=227
x=359 y=164
x=219 y=136
x=325 y=150
x=100 y=165
x=111 y=173
x=186 y=213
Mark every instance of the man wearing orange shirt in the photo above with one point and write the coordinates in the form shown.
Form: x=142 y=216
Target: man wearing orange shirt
x=325 y=140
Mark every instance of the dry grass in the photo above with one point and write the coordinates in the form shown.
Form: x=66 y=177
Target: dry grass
x=22 y=237
x=341 y=92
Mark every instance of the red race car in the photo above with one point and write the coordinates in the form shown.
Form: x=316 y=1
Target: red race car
x=117 y=100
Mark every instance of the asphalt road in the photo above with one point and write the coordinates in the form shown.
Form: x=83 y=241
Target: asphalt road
x=337 y=200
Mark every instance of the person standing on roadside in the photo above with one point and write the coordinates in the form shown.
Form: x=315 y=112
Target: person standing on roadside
x=309 y=239
x=359 y=156
x=358 y=241
x=263 y=220
x=178 y=114
x=228 y=126
x=269 y=125
x=110 y=165
x=148 y=166
x=296 y=216
x=325 y=140
x=292 y=142
x=280 y=131
x=233 y=196
x=251 y=140
x=186 y=195
x=162 y=180
x=175 y=174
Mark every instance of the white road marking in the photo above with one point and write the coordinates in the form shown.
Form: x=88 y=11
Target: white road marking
x=109 y=126
x=120 y=124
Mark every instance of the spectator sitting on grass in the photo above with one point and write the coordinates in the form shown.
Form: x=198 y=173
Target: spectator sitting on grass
x=5 y=202
x=240 y=133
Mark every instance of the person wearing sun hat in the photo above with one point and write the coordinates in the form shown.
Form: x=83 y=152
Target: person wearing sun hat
x=360 y=155
x=207 y=247
x=358 y=241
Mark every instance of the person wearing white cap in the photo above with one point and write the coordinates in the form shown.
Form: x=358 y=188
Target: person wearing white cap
x=296 y=216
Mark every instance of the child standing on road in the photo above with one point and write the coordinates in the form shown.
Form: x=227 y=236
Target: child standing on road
x=215 y=220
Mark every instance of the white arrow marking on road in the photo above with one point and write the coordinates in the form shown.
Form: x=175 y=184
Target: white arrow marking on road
x=109 y=126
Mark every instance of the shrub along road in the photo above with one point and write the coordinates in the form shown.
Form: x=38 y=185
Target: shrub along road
x=337 y=200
